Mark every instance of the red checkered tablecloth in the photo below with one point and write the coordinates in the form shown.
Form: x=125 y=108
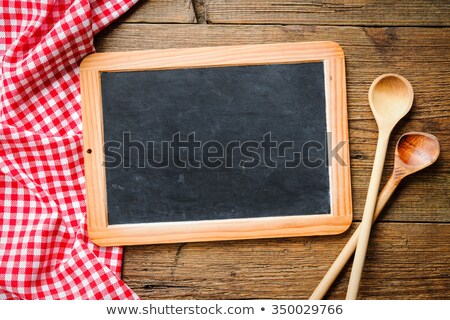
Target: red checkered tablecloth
x=45 y=252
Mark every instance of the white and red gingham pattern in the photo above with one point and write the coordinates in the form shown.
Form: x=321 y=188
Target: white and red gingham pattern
x=45 y=252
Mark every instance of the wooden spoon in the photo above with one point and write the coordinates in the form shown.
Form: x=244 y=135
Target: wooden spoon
x=390 y=98
x=414 y=152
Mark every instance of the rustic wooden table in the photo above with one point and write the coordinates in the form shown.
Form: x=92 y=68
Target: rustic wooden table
x=409 y=253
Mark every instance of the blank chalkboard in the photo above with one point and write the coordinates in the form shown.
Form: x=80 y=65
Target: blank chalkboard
x=215 y=148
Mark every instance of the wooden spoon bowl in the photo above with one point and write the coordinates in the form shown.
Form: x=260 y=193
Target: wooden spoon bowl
x=390 y=98
x=415 y=151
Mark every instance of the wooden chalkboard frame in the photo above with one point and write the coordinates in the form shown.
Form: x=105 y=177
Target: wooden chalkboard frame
x=101 y=233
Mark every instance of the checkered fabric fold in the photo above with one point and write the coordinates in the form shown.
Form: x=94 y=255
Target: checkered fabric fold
x=45 y=252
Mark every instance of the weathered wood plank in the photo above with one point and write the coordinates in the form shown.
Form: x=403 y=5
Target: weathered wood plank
x=401 y=264
x=161 y=11
x=329 y=12
x=419 y=54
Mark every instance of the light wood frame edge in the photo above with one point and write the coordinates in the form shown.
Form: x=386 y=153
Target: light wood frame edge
x=172 y=232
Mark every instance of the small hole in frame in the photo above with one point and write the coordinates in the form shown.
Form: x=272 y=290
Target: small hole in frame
x=89 y=151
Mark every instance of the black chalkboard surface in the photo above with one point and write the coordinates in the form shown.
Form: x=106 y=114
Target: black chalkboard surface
x=233 y=104
x=197 y=152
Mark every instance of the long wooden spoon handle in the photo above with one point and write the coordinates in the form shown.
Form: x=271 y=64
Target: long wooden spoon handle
x=369 y=209
x=350 y=247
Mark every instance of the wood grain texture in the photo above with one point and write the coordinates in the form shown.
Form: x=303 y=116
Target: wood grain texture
x=161 y=11
x=229 y=229
x=92 y=149
x=330 y=12
x=401 y=264
x=408 y=257
x=419 y=54
x=315 y=12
